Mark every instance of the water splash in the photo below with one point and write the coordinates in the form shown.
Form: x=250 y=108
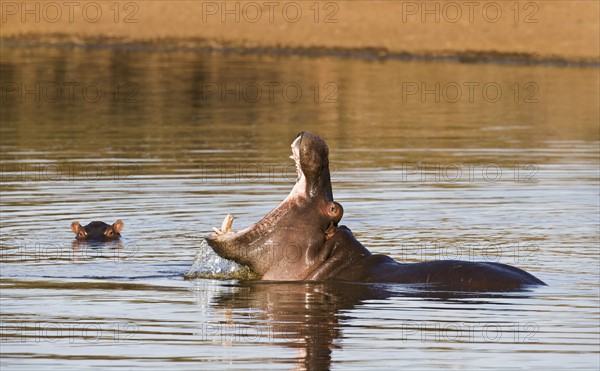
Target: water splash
x=207 y=264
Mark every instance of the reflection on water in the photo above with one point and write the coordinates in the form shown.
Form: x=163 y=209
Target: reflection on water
x=430 y=160
x=308 y=317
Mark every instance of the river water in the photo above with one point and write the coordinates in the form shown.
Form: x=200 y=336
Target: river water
x=431 y=160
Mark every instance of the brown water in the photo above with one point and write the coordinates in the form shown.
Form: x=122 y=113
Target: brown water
x=500 y=163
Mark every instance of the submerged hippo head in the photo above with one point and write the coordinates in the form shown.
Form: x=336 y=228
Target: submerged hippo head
x=288 y=241
x=97 y=231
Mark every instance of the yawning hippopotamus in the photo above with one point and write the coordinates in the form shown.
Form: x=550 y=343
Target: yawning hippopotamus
x=97 y=231
x=302 y=240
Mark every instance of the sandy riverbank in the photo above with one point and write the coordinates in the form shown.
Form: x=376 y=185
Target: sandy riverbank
x=530 y=31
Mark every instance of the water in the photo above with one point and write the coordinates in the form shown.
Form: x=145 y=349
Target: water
x=496 y=163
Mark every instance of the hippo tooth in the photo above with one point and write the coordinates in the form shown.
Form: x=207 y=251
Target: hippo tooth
x=227 y=223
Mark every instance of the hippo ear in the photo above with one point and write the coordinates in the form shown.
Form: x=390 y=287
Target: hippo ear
x=75 y=227
x=118 y=226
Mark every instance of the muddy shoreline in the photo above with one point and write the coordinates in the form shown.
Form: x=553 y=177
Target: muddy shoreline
x=213 y=46
x=556 y=32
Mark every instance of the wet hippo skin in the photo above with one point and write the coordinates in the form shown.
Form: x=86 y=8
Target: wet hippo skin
x=301 y=239
x=97 y=231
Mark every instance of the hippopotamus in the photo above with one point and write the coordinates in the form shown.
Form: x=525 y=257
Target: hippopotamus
x=97 y=231
x=302 y=240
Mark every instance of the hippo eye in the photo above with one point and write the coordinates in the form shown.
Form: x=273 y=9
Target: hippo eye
x=81 y=234
x=109 y=233
x=335 y=211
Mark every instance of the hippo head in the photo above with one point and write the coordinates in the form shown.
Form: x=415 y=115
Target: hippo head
x=289 y=241
x=97 y=231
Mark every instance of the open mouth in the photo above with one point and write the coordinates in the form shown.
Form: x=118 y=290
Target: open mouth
x=296 y=156
x=226 y=231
